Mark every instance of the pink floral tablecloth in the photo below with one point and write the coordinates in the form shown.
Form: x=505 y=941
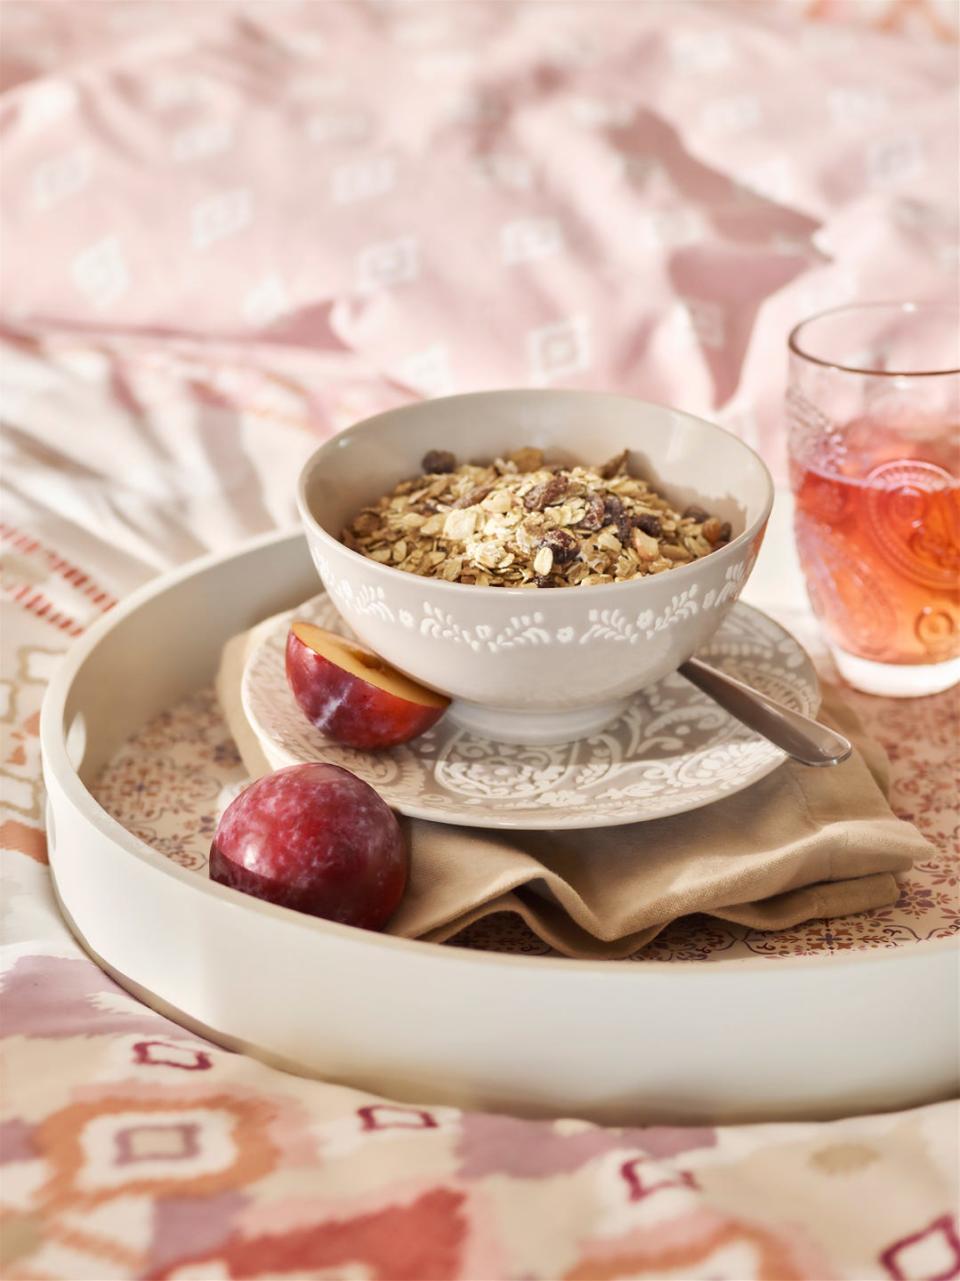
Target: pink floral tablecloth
x=229 y=228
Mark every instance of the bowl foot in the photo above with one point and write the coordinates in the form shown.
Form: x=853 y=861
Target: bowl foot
x=512 y=725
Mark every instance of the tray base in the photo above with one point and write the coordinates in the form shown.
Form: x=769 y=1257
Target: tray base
x=169 y=782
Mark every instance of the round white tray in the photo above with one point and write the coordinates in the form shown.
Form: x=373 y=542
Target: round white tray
x=745 y=1039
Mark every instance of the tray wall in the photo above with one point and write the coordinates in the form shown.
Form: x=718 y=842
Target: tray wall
x=620 y=1043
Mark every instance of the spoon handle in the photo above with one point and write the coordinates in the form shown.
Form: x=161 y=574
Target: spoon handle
x=801 y=737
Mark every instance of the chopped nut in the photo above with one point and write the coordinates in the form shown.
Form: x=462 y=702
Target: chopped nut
x=437 y=462
x=543 y=561
x=646 y=546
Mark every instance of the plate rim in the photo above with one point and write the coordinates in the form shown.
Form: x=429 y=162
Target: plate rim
x=531 y=820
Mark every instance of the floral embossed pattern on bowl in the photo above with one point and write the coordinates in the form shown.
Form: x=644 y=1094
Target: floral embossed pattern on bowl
x=672 y=750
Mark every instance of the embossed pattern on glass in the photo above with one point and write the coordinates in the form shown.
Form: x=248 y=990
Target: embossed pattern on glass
x=874 y=437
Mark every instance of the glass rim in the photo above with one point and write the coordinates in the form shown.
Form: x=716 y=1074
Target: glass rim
x=793 y=339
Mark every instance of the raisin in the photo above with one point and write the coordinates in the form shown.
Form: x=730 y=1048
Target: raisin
x=563 y=544
x=438 y=462
x=695 y=513
x=614 y=514
x=542 y=495
x=612 y=509
x=649 y=524
x=544 y=580
x=726 y=530
x=624 y=529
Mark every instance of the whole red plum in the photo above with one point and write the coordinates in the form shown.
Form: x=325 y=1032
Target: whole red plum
x=315 y=838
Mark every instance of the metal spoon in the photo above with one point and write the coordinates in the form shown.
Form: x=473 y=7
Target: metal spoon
x=801 y=737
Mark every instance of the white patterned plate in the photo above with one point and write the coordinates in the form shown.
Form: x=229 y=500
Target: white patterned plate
x=671 y=751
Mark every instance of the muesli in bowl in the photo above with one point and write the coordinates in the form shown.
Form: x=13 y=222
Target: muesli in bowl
x=520 y=522
x=533 y=666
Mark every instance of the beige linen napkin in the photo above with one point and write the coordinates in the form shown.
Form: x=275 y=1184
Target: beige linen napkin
x=800 y=843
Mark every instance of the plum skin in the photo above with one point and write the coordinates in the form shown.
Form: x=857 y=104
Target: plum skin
x=348 y=709
x=315 y=838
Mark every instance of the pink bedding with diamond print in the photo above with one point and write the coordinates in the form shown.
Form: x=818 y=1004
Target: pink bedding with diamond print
x=229 y=228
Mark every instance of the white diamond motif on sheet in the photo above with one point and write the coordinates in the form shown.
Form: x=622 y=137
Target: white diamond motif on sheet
x=635 y=166
x=429 y=371
x=338 y=124
x=315 y=87
x=363 y=179
x=100 y=272
x=305 y=44
x=661 y=228
x=732 y=115
x=856 y=104
x=208 y=139
x=389 y=263
x=529 y=240
x=220 y=216
x=504 y=170
x=894 y=160
x=699 y=50
x=173 y=90
x=45 y=102
x=417 y=29
x=266 y=301
x=601 y=113
x=64 y=176
x=707 y=321
x=448 y=64
x=559 y=350
x=472 y=107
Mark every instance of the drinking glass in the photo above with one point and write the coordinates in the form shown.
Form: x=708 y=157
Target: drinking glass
x=874 y=444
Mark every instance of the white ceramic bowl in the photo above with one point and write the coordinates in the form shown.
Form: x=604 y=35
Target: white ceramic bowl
x=536 y=666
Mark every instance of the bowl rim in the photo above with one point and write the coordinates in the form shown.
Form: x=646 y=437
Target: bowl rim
x=393 y=575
